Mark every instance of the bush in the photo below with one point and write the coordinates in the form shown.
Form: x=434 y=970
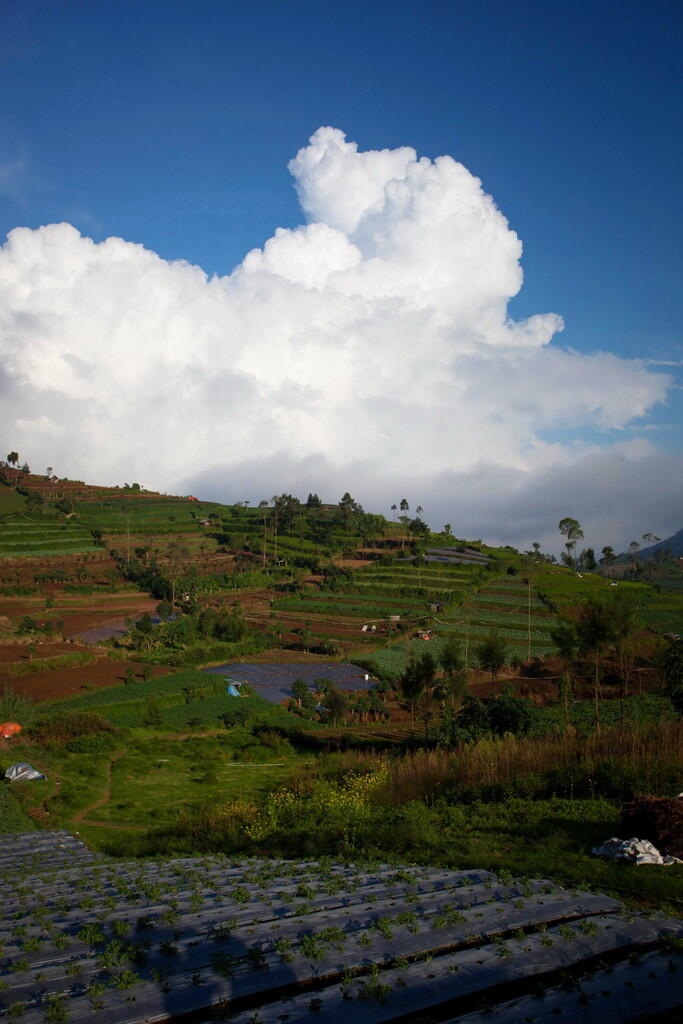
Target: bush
x=64 y=727
x=93 y=743
x=16 y=708
x=510 y=714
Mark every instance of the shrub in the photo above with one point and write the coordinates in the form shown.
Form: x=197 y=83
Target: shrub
x=93 y=743
x=64 y=727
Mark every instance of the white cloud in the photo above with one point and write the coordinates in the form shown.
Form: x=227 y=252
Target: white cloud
x=374 y=340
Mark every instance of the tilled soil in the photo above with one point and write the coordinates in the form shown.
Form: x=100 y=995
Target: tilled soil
x=70 y=682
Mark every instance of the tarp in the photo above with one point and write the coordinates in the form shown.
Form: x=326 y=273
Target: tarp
x=22 y=771
x=8 y=729
x=233 y=690
x=637 y=851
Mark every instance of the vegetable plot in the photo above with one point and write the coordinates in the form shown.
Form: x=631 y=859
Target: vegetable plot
x=87 y=938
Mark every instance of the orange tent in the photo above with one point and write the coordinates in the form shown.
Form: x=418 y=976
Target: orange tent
x=8 y=729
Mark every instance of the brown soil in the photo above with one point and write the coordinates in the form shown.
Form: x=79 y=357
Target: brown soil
x=19 y=652
x=69 y=682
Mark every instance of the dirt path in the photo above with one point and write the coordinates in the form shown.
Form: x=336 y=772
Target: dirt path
x=81 y=817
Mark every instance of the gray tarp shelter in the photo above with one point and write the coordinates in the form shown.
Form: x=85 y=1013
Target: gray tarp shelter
x=22 y=771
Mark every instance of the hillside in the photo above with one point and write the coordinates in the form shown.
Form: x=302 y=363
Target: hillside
x=672 y=547
x=407 y=697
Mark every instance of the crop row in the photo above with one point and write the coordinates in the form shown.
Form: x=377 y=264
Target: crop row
x=517 y=638
x=544 y=625
x=488 y=597
x=414 y=588
x=293 y=604
x=348 y=592
x=292 y=940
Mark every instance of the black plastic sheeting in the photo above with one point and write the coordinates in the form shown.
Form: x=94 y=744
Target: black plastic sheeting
x=274 y=682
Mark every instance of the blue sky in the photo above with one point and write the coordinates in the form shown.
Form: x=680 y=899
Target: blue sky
x=171 y=123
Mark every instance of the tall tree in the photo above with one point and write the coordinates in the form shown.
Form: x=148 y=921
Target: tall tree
x=633 y=550
x=453 y=684
x=608 y=556
x=622 y=607
x=492 y=655
x=588 y=560
x=418 y=676
x=595 y=630
x=336 y=704
x=571 y=529
x=13 y=459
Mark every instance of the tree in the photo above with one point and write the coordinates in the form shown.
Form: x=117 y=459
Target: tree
x=419 y=675
x=608 y=556
x=492 y=655
x=322 y=686
x=473 y=718
x=13 y=459
x=622 y=607
x=588 y=560
x=348 y=506
x=633 y=550
x=510 y=714
x=313 y=501
x=454 y=682
x=299 y=691
x=393 y=509
x=571 y=529
x=404 y=506
x=418 y=528
x=595 y=630
x=447 y=529
x=335 y=703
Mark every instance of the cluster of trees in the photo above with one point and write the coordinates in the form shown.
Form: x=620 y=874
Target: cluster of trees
x=333 y=705
x=177 y=632
x=571 y=529
x=604 y=625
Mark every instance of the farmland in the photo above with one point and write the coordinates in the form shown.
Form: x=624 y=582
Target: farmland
x=301 y=941
x=122 y=611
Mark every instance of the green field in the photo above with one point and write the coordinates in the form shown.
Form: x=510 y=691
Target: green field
x=21 y=537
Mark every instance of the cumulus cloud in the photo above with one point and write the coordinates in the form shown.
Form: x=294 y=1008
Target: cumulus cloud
x=372 y=345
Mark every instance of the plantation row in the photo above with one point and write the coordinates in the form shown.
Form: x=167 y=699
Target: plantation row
x=357 y=609
x=304 y=941
x=394 y=591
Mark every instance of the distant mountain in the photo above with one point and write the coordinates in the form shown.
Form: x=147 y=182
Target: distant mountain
x=673 y=545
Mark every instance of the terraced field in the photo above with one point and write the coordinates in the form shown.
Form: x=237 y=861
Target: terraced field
x=509 y=608
x=86 y=938
x=21 y=537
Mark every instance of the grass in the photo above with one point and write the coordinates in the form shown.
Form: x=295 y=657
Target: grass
x=157 y=779
x=19 y=669
x=10 y=501
x=12 y=817
x=189 y=700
